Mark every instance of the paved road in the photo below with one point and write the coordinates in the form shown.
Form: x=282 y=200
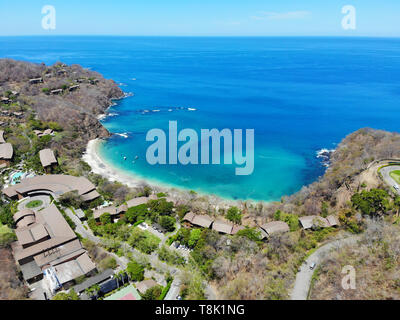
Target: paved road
x=303 y=277
x=88 y=234
x=156 y=263
x=388 y=179
x=174 y=290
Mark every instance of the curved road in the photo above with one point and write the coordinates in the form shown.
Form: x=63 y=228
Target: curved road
x=304 y=276
x=388 y=179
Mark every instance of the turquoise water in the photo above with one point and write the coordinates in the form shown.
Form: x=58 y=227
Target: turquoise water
x=299 y=94
x=16 y=177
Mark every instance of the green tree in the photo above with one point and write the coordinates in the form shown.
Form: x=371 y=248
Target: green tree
x=249 y=233
x=234 y=215
x=152 y=293
x=135 y=271
x=72 y=295
x=105 y=218
x=194 y=237
x=373 y=202
x=168 y=223
x=138 y=211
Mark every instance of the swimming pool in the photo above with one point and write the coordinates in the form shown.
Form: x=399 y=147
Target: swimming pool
x=16 y=177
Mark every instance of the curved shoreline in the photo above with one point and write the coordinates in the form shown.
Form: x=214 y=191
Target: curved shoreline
x=99 y=166
x=110 y=172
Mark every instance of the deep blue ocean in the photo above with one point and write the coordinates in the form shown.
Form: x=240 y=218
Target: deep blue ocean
x=299 y=94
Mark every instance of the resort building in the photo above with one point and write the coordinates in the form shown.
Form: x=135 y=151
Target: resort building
x=312 y=222
x=97 y=279
x=5 y=100
x=43 y=133
x=226 y=227
x=203 y=221
x=6 y=154
x=141 y=200
x=54 y=185
x=332 y=220
x=36 y=80
x=112 y=210
x=56 y=91
x=48 y=159
x=18 y=115
x=274 y=227
x=47 y=246
x=72 y=88
x=118 y=212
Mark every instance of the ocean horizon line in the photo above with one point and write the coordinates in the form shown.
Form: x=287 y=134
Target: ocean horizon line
x=206 y=36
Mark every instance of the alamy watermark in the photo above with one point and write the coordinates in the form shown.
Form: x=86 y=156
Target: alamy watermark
x=49 y=20
x=349 y=21
x=188 y=153
x=349 y=280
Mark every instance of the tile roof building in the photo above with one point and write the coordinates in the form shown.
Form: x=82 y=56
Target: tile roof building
x=275 y=227
x=47 y=241
x=204 y=221
x=47 y=158
x=54 y=185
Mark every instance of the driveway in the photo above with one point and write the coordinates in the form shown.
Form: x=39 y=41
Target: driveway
x=303 y=277
x=45 y=199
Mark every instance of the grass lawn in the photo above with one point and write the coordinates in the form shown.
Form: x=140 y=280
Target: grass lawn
x=395 y=175
x=34 y=204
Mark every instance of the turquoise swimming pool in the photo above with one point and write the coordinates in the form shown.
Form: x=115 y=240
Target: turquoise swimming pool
x=16 y=177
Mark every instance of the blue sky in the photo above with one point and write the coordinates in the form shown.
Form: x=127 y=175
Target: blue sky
x=201 y=17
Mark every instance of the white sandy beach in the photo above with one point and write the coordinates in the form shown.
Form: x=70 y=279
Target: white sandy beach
x=99 y=166
x=92 y=158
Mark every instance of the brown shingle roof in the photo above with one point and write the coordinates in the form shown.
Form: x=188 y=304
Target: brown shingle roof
x=57 y=184
x=309 y=221
x=204 y=221
x=189 y=216
x=236 y=228
x=275 y=226
x=99 y=212
x=26 y=221
x=39 y=232
x=6 y=151
x=222 y=226
x=332 y=220
x=47 y=157
x=22 y=213
x=138 y=201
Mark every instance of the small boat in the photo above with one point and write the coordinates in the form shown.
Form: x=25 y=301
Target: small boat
x=124 y=158
x=137 y=157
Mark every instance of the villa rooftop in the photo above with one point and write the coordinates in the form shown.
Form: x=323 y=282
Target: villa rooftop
x=47 y=157
x=6 y=151
x=275 y=227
